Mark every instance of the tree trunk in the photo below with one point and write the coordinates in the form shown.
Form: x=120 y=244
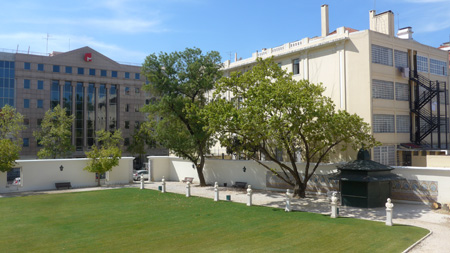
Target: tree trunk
x=299 y=190
x=98 y=180
x=200 y=171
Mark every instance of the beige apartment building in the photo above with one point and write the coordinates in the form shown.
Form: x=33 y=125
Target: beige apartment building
x=393 y=82
x=101 y=93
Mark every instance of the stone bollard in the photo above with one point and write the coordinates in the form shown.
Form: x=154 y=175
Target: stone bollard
x=163 y=185
x=249 y=195
x=216 y=191
x=188 y=189
x=142 y=182
x=389 y=207
x=288 y=201
x=334 y=208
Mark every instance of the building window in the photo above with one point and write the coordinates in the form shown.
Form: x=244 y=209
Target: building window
x=422 y=64
x=381 y=55
x=113 y=73
x=127 y=124
x=402 y=91
x=137 y=76
x=102 y=72
x=383 y=123
x=438 y=67
x=68 y=70
x=296 y=66
x=80 y=71
x=127 y=107
x=27 y=65
x=127 y=90
x=137 y=90
x=54 y=94
x=126 y=142
x=137 y=124
x=7 y=83
x=39 y=122
x=56 y=68
x=40 y=67
x=92 y=72
x=127 y=75
x=384 y=155
x=26 y=142
x=26 y=83
x=403 y=123
x=136 y=108
x=26 y=103
x=382 y=89
x=40 y=103
x=401 y=59
x=40 y=84
x=26 y=122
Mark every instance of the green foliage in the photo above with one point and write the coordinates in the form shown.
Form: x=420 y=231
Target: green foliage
x=55 y=134
x=106 y=153
x=122 y=219
x=11 y=124
x=142 y=137
x=274 y=112
x=182 y=81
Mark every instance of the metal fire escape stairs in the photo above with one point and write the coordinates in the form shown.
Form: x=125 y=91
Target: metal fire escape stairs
x=426 y=111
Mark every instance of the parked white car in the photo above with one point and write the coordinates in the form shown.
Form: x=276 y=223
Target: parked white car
x=140 y=173
x=16 y=181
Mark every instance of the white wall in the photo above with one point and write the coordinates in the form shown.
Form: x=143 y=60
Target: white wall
x=230 y=171
x=42 y=174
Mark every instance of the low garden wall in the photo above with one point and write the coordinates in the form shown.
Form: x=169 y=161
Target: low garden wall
x=42 y=174
x=420 y=184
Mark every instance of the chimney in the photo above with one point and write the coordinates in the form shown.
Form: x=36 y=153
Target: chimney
x=405 y=33
x=324 y=19
x=382 y=23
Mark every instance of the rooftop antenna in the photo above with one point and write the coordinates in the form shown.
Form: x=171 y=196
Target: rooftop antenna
x=47 y=38
x=17 y=49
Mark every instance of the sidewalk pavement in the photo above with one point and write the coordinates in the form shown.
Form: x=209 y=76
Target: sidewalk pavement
x=407 y=214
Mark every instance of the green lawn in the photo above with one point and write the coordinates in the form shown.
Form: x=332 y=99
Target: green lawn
x=128 y=220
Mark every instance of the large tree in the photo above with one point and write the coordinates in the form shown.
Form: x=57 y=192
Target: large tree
x=106 y=153
x=55 y=134
x=273 y=113
x=11 y=124
x=181 y=81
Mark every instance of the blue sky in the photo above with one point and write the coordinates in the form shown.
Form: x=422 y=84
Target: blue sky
x=129 y=30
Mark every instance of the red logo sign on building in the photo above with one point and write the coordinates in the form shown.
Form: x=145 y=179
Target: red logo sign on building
x=88 y=57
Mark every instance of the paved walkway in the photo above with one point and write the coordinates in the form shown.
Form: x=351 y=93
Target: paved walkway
x=408 y=214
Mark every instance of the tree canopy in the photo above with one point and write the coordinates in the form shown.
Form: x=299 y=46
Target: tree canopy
x=11 y=124
x=181 y=81
x=273 y=113
x=106 y=153
x=55 y=134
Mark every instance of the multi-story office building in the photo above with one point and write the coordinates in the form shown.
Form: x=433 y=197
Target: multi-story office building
x=101 y=93
x=395 y=83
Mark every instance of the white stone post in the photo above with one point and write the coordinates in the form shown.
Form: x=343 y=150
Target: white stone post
x=188 y=189
x=216 y=191
x=334 y=208
x=249 y=195
x=142 y=182
x=288 y=201
x=389 y=207
x=163 y=185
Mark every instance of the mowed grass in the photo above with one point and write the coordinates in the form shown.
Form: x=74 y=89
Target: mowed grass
x=133 y=220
